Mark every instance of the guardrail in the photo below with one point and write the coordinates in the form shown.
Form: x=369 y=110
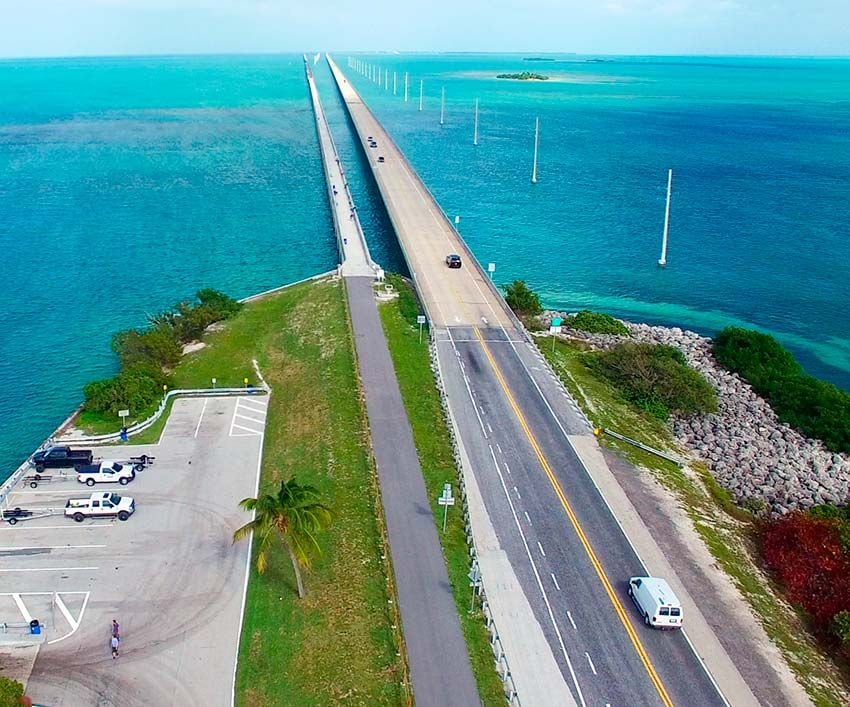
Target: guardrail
x=262 y=389
x=678 y=461
x=501 y=658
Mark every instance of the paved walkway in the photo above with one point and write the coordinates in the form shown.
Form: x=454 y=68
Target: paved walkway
x=440 y=670
x=439 y=664
x=354 y=252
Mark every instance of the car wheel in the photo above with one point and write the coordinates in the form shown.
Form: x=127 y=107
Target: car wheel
x=123 y=481
x=89 y=482
x=631 y=592
x=39 y=467
x=646 y=619
x=123 y=515
x=138 y=467
x=77 y=467
x=79 y=517
x=33 y=484
x=12 y=521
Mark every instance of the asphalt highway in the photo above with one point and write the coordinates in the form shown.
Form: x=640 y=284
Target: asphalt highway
x=565 y=545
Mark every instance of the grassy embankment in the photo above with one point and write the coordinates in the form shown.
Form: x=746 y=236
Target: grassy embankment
x=431 y=436
x=727 y=530
x=339 y=644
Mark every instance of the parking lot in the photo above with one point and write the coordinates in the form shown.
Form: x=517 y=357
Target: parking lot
x=170 y=574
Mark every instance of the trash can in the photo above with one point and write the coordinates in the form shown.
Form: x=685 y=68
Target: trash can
x=35 y=627
x=124 y=436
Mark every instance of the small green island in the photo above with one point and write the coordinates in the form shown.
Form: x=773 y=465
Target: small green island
x=523 y=76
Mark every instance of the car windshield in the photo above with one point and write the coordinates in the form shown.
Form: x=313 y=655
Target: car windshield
x=115 y=498
x=665 y=611
x=676 y=612
x=117 y=467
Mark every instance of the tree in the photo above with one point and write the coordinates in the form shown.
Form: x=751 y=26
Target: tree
x=522 y=299
x=296 y=515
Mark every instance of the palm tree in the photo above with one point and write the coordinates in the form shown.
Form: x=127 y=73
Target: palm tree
x=297 y=515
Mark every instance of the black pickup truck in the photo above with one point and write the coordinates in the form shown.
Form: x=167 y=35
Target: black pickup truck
x=61 y=458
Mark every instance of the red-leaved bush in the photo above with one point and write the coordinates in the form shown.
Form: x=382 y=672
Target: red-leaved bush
x=807 y=557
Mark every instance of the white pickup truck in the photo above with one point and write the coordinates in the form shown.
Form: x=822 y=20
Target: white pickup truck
x=100 y=505
x=105 y=472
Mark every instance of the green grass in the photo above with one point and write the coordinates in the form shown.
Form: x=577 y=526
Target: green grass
x=340 y=644
x=727 y=530
x=431 y=435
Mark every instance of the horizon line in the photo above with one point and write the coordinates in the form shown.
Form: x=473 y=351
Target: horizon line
x=389 y=52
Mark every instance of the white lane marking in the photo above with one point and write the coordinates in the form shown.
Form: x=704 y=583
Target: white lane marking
x=498 y=447
x=555 y=580
x=542 y=551
x=22 y=607
x=203 y=409
x=47 y=547
x=507 y=468
x=528 y=518
x=490 y=429
x=66 y=613
x=251 y=432
x=592 y=666
x=572 y=623
x=76 y=526
x=516 y=491
x=75 y=624
x=249 y=403
x=48 y=569
x=252 y=419
x=540 y=584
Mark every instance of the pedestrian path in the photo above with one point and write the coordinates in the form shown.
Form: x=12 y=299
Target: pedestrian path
x=353 y=249
x=439 y=663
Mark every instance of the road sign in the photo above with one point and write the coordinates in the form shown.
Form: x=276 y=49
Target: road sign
x=445 y=501
x=123 y=413
x=491 y=267
x=420 y=320
x=474 y=582
x=555 y=325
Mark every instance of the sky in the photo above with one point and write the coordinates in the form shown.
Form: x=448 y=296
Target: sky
x=40 y=28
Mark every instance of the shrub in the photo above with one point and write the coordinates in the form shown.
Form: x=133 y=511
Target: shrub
x=11 y=692
x=218 y=303
x=597 y=323
x=521 y=299
x=154 y=347
x=806 y=555
x=816 y=408
x=134 y=389
x=656 y=378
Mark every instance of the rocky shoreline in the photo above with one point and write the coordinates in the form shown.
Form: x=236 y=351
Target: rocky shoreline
x=763 y=462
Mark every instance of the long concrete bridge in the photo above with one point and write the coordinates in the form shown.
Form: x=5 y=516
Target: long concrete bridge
x=557 y=537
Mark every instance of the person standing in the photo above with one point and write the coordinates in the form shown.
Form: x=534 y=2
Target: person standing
x=115 y=628
x=114 y=644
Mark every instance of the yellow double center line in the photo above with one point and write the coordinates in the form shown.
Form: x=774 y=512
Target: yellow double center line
x=594 y=560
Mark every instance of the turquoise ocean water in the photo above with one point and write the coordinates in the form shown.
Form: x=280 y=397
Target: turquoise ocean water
x=127 y=184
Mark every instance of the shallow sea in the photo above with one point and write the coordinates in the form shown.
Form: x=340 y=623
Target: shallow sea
x=128 y=183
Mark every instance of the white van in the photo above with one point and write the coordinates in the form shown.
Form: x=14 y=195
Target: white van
x=657 y=603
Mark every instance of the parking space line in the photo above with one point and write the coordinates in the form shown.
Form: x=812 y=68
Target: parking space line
x=58 y=492
x=76 y=526
x=48 y=569
x=47 y=547
x=251 y=433
x=66 y=613
x=22 y=607
x=242 y=403
x=252 y=419
x=201 y=417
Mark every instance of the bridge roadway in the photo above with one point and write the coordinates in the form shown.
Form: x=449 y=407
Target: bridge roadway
x=541 y=480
